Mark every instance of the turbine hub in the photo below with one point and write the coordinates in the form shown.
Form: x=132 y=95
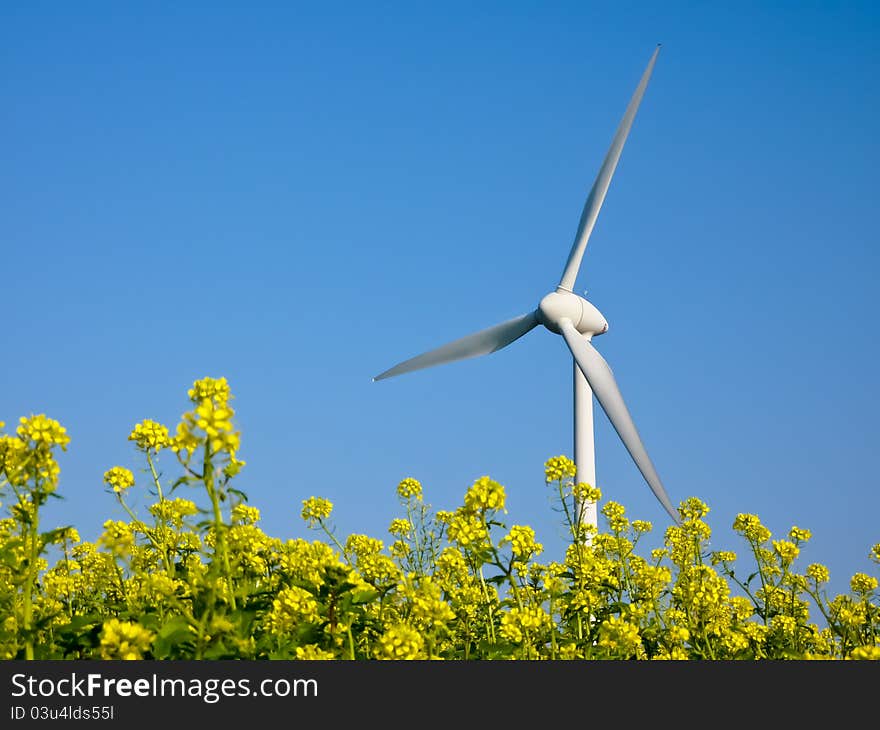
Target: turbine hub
x=564 y=305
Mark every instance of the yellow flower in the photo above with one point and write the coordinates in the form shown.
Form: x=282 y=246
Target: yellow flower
x=557 y=468
x=291 y=607
x=315 y=510
x=785 y=625
x=363 y=545
x=410 y=488
x=584 y=492
x=787 y=551
x=174 y=511
x=862 y=583
x=429 y=608
x=400 y=528
x=68 y=534
x=751 y=528
x=865 y=652
x=742 y=608
x=124 y=640
x=484 y=494
x=614 y=513
x=400 y=642
x=676 y=653
x=213 y=389
x=519 y=624
x=150 y=436
x=642 y=526
x=42 y=430
x=693 y=509
x=467 y=530
x=13 y=453
x=120 y=478
x=312 y=652
x=723 y=556
x=621 y=636
x=117 y=537
x=818 y=572
x=522 y=541
x=213 y=417
x=799 y=535
x=245 y=515
x=234 y=466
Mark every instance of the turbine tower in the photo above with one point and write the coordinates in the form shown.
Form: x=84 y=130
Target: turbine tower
x=565 y=313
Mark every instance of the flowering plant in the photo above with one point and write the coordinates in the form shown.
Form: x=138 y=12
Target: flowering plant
x=196 y=576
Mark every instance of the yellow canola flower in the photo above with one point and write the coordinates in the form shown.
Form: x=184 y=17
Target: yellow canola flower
x=400 y=527
x=862 y=583
x=244 y=514
x=522 y=541
x=787 y=551
x=117 y=537
x=174 y=511
x=818 y=573
x=315 y=510
x=642 y=526
x=693 y=509
x=150 y=436
x=213 y=389
x=614 y=514
x=124 y=640
x=484 y=494
x=584 y=492
x=723 y=556
x=520 y=623
x=751 y=528
x=120 y=478
x=557 y=468
x=43 y=431
x=400 y=642
x=621 y=636
x=865 y=652
x=410 y=488
x=291 y=607
x=313 y=652
x=13 y=454
x=467 y=530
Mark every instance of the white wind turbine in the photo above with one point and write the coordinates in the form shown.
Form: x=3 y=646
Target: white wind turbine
x=564 y=312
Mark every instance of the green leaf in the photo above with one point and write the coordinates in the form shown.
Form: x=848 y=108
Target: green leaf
x=364 y=596
x=174 y=631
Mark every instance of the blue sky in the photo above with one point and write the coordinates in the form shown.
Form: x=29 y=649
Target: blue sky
x=297 y=197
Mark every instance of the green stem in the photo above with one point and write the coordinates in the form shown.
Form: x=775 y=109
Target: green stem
x=156 y=480
x=219 y=525
x=489 y=619
x=27 y=618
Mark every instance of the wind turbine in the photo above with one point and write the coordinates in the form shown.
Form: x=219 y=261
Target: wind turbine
x=565 y=313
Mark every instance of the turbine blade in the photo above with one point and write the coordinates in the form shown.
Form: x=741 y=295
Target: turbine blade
x=479 y=343
x=602 y=382
x=603 y=180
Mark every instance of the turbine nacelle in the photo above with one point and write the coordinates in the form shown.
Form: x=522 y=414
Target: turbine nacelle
x=562 y=305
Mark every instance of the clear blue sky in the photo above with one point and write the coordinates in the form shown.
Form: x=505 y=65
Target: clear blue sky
x=299 y=196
